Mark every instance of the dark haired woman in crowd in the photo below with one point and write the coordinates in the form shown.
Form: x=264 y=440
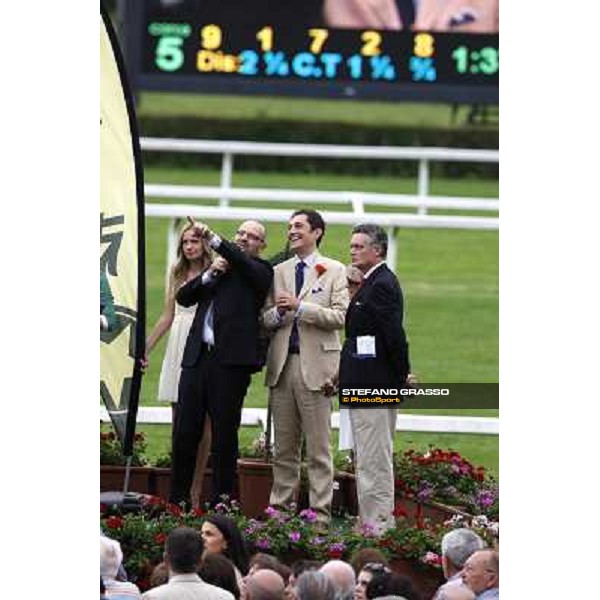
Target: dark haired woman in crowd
x=222 y=536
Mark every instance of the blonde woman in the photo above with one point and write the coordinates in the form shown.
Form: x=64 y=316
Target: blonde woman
x=193 y=258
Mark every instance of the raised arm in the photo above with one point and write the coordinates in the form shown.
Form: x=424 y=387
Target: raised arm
x=195 y=290
x=259 y=274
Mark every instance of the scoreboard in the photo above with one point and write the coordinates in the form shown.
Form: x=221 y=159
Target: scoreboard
x=187 y=46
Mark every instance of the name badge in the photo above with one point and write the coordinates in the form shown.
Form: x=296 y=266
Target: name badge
x=365 y=345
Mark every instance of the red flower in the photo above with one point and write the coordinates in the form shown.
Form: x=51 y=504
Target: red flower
x=160 y=538
x=320 y=269
x=335 y=553
x=114 y=522
x=197 y=512
x=153 y=501
x=399 y=511
x=175 y=510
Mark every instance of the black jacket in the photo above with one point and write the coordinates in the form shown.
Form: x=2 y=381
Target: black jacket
x=238 y=295
x=376 y=310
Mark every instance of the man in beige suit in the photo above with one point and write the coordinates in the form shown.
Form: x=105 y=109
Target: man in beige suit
x=305 y=309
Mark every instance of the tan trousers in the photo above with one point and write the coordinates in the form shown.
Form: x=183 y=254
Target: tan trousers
x=297 y=410
x=373 y=430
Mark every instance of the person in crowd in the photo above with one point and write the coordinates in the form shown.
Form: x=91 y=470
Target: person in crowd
x=481 y=574
x=221 y=353
x=305 y=310
x=365 y=556
x=457 y=546
x=391 y=584
x=299 y=567
x=111 y=557
x=218 y=570
x=457 y=592
x=183 y=551
x=341 y=575
x=108 y=316
x=366 y=573
x=221 y=535
x=375 y=353
x=267 y=561
x=314 y=585
x=264 y=584
x=159 y=575
x=193 y=259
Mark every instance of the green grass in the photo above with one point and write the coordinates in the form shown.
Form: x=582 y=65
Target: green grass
x=449 y=277
x=263 y=108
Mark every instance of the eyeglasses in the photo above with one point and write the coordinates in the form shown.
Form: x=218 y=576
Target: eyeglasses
x=249 y=235
x=376 y=568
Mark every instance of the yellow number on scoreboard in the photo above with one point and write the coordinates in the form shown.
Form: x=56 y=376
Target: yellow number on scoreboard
x=424 y=43
x=265 y=37
x=318 y=39
x=211 y=37
x=372 y=41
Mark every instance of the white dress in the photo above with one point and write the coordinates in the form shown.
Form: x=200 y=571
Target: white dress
x=171 y=367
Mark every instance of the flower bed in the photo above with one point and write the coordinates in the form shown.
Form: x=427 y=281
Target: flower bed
x=286 y=534
x=448 y=479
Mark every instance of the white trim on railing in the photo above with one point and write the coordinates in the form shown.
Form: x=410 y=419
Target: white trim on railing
x=153 y=190
x=233 y=147
x=257 y=417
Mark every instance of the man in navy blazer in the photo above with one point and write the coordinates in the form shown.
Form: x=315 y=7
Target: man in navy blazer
x=375 y=354
x=221 y=353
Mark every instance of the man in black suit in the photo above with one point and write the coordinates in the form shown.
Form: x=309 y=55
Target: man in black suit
x=375 y=355
x=221 y=353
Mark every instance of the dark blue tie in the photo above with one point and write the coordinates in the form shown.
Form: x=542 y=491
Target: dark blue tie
x=294 y=339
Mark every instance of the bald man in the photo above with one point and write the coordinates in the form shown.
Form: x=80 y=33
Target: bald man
x=342 y=576
x=264 y=584
x=221 y=353
x=481 y=574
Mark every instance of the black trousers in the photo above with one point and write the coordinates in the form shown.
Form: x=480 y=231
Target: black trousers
x=219 y=391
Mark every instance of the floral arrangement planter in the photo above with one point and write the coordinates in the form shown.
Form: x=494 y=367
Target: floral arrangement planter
x=112 y=478
x=288 y=534
x=255 y=479
x=162 y=484
x=438 y=483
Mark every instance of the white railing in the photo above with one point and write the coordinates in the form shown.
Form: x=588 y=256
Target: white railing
x=391 y=221
x=229 y=149
x=357 y=200
x=257 y=417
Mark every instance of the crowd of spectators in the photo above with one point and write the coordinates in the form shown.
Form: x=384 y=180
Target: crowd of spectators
x=198 y=566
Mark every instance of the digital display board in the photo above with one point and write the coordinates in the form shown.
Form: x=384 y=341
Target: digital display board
x=310 y=48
